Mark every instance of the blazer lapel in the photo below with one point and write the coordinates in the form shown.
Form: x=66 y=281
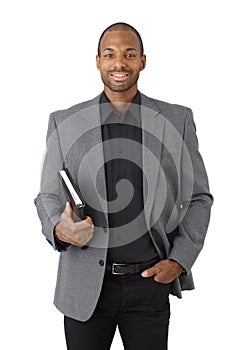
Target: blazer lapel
x=93 y=165
x=152 y=140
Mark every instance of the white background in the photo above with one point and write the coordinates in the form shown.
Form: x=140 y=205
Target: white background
x=48 y=53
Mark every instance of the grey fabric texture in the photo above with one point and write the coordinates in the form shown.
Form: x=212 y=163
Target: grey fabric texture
x=175 y=188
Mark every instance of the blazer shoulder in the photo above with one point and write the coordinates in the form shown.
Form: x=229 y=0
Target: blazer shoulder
x=173 y=112
x=175 y=107
x=62 y=114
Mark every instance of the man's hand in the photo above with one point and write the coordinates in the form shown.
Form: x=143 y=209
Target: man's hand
x=75 y=233
x=165 y=271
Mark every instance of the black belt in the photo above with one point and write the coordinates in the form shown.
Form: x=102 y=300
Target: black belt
x=128 y=268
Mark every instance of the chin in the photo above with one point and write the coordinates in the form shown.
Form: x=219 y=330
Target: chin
x=121 y=88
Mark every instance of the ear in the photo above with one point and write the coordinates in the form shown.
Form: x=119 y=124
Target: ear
x=143 y=62
x=98 y=62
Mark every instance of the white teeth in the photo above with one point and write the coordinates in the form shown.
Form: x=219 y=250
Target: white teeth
x=119 y=75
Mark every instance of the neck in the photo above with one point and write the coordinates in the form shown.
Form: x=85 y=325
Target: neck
x=121 y=100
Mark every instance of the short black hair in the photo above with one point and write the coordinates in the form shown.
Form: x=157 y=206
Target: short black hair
x=122 y=26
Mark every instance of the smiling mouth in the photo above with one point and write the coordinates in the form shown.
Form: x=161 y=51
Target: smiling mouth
x=119 y=76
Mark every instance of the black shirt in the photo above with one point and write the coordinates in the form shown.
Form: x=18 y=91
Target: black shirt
x=122 y=146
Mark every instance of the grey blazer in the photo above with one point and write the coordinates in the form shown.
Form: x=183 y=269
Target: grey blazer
x=177 y=201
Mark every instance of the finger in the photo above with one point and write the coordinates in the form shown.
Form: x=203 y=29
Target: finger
x=147 y=273
x=68 y=210
x=64 y=238
x=162 y=278
x=88 y=220
x=150 y=272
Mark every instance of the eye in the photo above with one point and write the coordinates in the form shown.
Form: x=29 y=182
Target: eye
x=108 y=55
x=130 y=55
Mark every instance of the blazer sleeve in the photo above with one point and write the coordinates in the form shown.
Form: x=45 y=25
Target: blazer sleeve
x=195 y=205
x=50 y=202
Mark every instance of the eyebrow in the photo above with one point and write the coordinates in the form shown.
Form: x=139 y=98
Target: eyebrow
x=128 y=49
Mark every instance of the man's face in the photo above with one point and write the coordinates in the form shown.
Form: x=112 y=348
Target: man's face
x=120 y=60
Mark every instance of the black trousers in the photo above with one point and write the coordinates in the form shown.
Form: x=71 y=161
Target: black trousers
x=139 y=306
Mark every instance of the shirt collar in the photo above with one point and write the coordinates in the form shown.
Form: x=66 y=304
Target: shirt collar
x=110 y=115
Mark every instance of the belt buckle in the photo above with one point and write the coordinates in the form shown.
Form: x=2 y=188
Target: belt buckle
x=117 y=273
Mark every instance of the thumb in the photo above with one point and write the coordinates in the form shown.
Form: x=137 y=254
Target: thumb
x=150 y=272
x=68 y=209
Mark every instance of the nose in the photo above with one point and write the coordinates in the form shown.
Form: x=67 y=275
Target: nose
x=120 y=63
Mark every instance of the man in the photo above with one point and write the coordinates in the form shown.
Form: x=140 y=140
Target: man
x=135 y=160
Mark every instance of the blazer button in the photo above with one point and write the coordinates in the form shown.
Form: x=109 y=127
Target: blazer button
x=101 y=262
